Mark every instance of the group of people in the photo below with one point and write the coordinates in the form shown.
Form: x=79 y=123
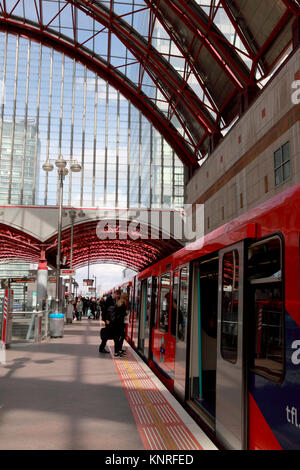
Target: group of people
x=83 y=306
x=113 y=309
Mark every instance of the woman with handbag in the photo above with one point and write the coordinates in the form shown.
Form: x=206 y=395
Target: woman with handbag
x=118 y=323
x=107 y=315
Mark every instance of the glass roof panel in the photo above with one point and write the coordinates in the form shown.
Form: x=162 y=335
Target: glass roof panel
x=125 y=33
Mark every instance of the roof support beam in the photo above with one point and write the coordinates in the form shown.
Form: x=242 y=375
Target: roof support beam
x=293 y=6
x=215 y=43
x=165 y=76
x=282 y=23
x=296 y=32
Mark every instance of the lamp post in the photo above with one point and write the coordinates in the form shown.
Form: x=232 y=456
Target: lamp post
x=95 y=285
x=61 y=165
x=73 y=214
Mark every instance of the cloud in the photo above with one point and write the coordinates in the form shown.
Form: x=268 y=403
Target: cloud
x=108 y=276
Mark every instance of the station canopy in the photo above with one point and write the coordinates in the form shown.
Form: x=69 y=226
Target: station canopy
x=132 y=252
x=191 y=67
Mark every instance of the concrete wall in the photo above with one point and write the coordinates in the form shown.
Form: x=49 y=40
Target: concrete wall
x=239 y=174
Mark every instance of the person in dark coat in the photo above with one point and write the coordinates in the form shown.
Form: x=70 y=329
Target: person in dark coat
x=117 y=323
x=85 y=306
x=93 y=307
x=102 y=307
x=107 y=315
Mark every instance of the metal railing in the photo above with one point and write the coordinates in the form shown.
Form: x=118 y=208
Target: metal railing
x=30 y=326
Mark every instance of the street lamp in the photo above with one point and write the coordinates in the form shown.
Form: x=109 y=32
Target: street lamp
x=61 y=165
x=73 y=214
x=95 y=285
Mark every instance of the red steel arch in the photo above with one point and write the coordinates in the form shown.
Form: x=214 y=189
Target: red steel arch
x=18 y=245
x=221 y=68
x=135 y=253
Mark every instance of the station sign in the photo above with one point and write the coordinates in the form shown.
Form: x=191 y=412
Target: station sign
x=19 y=280
x=88 y=282
x=69 y=272
x=5 y=283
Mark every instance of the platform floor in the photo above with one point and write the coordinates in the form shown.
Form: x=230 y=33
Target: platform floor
x=62 y=394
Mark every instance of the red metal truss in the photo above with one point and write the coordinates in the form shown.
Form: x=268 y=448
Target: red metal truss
x=293 y=6
x=15 y=244
x=88 y=247
x=282 y=23
x=203 y=27
x=188 y=108
x=256 y=51
x=192 y=31
x=193 y=115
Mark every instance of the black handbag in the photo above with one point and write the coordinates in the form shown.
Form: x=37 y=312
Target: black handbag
x=103 y=333
x=106 y=333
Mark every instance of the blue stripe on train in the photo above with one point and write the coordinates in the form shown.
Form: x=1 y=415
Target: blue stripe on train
x=280 y=403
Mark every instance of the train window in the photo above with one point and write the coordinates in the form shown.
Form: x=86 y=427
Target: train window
x=164 y=304
x=183 y=304
x=264 y=260
x=265 y=276
x=230 y=292
x=174 y=302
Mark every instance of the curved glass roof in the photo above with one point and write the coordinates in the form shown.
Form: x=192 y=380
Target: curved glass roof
x=186 y=65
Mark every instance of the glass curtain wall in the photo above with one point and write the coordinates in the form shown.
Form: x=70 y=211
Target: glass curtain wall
x=51 y=105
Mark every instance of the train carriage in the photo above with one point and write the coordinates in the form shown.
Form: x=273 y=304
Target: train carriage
x=219 y=323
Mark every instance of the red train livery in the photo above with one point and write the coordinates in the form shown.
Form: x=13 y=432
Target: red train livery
x=219 y=323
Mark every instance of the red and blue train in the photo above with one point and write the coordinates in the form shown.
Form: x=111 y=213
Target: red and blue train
x=219 y=323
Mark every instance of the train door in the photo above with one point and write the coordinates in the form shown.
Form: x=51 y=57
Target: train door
x=231 y=390
x=163 y=343
x=145 y=314
x=203 y=337
x=272 y=384
x=180 y=302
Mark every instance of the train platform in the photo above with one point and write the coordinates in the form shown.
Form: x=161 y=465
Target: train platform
x=62 y=394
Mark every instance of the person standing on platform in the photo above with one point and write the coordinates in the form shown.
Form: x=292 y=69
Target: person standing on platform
x=75 y=309
x=118 y=322
x=102 y=307
x=79 y=309
x=123 y=302
x=70 y=311
x=108 y=313
x=98 y=309
x=93 y=307
x=85 y=306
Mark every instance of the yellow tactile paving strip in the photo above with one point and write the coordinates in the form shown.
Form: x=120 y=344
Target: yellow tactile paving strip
x=159 y=425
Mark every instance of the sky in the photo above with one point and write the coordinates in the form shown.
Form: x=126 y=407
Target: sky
x=108 y=276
